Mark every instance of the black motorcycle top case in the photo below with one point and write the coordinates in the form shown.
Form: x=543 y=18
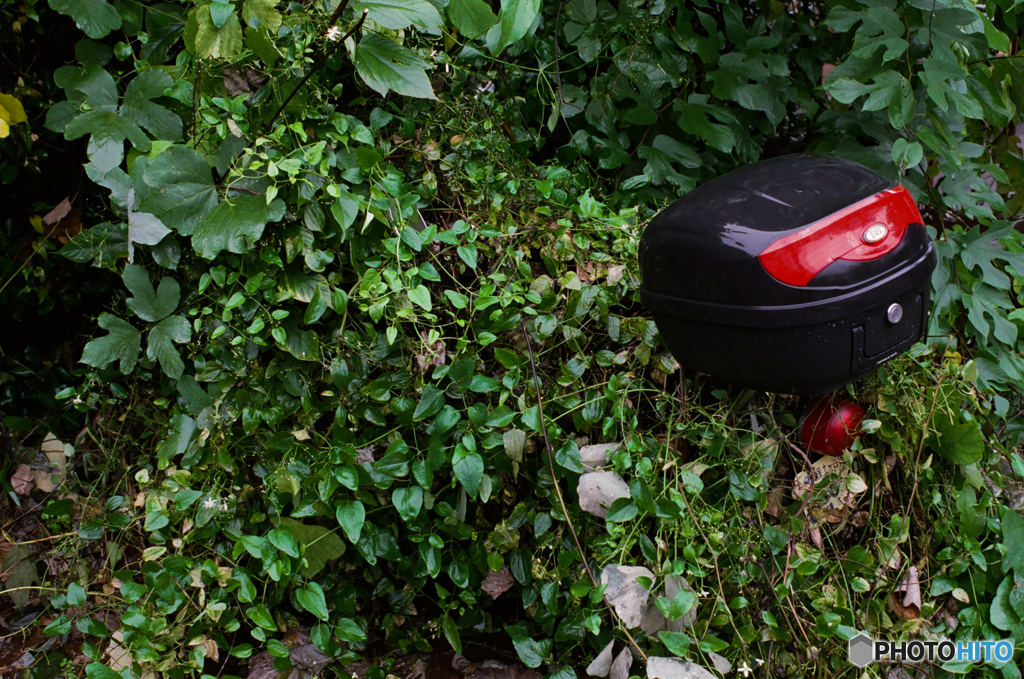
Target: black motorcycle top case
x=798 y=274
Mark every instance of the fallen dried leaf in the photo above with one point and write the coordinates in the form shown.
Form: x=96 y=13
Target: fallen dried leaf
x=624 y=593
x=906 y=598
x=598 y=490
x=602 y=664
x=23 y=480
x=620 y=668
x=498 y=583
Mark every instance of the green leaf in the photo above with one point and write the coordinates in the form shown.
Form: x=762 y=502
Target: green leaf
x=149 y=305
x=107 y=126
x=122 y=344
x=676 y=642
x=469 y=470
x=161 y=340
x=385 y=65
x=182 y=432
x=408 y=502
x=467 y=253
x=284 y=539
x=349 y=630
x=901 y=105
x=302 y=344
x=265 y=12
x=184 y=188
x=430 y=403
x=400 y=14
x=351 y=515
x=345 y=209
x=532 y=652
x=1013 y=540
x=311 y=597
x=960 y=443
x=451 y=633
x=95 y=670
x=320 y=545
x=96 y=18
x=515 y=19
x=473 y=18
x=138 y=105
x=421 y=296
x=102 y=244
x=219 y=43
x=234 y=225
x=1002 y=614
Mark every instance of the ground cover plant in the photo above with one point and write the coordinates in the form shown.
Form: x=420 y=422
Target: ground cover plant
x=343 y=295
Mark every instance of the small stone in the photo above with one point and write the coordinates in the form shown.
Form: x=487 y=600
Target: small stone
x=598 y=490
x=596 y=456
x=625 y=594
x=602 y=663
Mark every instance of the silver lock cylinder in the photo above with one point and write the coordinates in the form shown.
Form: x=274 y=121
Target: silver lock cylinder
x=894 y=314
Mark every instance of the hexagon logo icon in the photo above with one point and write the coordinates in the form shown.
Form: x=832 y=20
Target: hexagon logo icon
x=860 y=650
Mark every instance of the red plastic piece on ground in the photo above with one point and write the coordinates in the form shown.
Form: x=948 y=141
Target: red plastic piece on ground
x=798 y=258
x=831 y=426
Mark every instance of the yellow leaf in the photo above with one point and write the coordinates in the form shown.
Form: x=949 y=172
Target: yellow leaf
x=5 y=131
x=14 y=113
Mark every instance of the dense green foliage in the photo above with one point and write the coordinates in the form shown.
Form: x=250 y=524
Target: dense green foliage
x=342 y=236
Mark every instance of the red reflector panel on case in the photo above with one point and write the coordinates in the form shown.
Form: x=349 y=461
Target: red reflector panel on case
x=864 y=231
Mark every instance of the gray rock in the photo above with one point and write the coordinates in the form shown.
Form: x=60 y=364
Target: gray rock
x=625 y=594
x=598 y=490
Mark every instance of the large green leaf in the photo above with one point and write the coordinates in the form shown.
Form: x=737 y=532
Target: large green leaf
x=162 y=337
x=210 y=40
x=234 y=225
x=138 y=105
x=473 y=18
x=960 y=443
x=107 y=125
x=96 y=18
x=148 y=304
x=399 y=14
x=122 y=344
x=320 y=545
x=302 y=344
x=265 y=12
x=515 y=19
x=184 y=188
x=385 y=65
x=1013 y=540
x=89 y=84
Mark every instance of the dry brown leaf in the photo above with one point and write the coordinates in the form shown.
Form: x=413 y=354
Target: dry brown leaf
x=118 y=657
x=906 y=598
x=498 y=583
x=62 y=222
x=23 y=480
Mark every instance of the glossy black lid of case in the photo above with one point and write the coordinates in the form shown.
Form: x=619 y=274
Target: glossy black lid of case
x=705 y=246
